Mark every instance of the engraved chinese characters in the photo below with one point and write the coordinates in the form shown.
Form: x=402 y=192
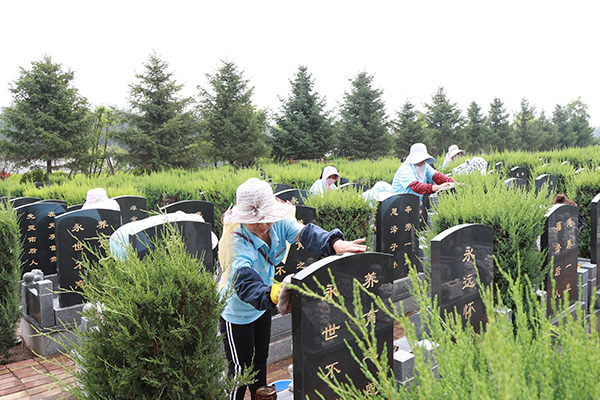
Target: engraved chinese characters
x=397 y=221
x=37 y=225
x=133 y=208
x=457 y=255
x=298 y=257
x=560 y=238
x=519 y=172
x=294 y=196
x=196 y=237
x=548 y=180
x=73 y=230
x=320 y=331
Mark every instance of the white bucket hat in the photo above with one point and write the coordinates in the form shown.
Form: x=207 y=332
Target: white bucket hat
x=97 y=198
x=418 y=153
x=255 y=203
x=454 y=151
x=329 y=171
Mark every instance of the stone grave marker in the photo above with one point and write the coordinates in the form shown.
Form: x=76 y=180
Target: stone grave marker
x=74 y=207
x=560 y=238
x=343 y=181
x=205 y=209
x=61 y=202
x=280 y=187
x=565 y=162
x=73 y=230
x=595 y=231
x=358 y=187
x=298 y=258
x=132 y=208
x=294 y=196
x=457 y=255
x=320 y=331
x=21 y=201
x=516 y=183
x=424 y=208
x=579 y=170
x=499 y=166
x=38 y=232
x=548 y=180
x=196 y=236
x=396 y=224
x=519 y=172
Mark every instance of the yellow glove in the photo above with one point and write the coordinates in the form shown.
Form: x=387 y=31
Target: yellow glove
x=275 y=291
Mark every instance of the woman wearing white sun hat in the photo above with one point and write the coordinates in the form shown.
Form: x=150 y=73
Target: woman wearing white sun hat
x=417 y=176
x=255 y=232
x=328 y=179
x=454 y=153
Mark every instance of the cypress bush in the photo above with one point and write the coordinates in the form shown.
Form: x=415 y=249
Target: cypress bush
x=10 y=272
x=585 y=186
x=156 y=325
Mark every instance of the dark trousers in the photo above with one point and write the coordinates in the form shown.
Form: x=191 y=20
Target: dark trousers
x=247 y=345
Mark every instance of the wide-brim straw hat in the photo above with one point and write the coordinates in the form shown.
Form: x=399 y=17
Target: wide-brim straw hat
x=418 y=153
x=453 y=151
x=255 y=203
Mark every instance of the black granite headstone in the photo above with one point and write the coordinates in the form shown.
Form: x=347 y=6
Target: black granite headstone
x=343 y=181
x=424 y=208
x=516 y=183
x=74 y=207
x=280 y=187
x=519 y=172
x=205 y=209
x=396 y=224
x=595 y=234
x=457 y=255
x=548 y=180
x=357 y=187
x=21 y=201
x=560 y=238
x=132 y=208
x=61 y=202
x=298 y=257
x=37 y=225
x=577 y=171
x=499 y=166
x=319 y=331
x=74 y=231
x=196 y=237
x=294 y=196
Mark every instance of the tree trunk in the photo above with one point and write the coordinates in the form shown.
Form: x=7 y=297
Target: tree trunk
x=48 y=170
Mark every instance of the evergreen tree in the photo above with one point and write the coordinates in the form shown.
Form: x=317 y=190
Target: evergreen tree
x=162 y=130
x=235 y=129
x=303 y=130
x=48 y=119
x=407 y=129
x=444 y=122
x=548 y=132
x=499 y=127
x=476 y=130
x=362 y=131
x=560 y=119
x=579 y=120
x=526 y=130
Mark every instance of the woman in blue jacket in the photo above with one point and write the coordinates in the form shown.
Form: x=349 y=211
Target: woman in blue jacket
x=255 y=234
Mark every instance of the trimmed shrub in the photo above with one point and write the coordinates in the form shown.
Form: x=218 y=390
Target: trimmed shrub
x=10 y=270
x=585 y=186
x=36 y=175
x=155 y=334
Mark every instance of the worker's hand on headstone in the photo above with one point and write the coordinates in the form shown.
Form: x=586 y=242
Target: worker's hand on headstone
x=345 y=246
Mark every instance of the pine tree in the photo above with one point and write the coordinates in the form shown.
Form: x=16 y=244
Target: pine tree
x=579 y=120
x=444 y=122
x=526 y=131
x=235 y=129
x=48 y=119
x=499 y=127
x=362 y=131
x=303 y=130
x=476 y=131
x=162 y=129
x=549 y=138
x=407 y=129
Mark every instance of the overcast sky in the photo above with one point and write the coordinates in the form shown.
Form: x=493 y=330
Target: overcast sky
x=544 y=51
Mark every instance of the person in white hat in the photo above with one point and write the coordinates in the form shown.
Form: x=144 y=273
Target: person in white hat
x=417 y=176
x=454 y=153
x=255 y=233
x=97 y=198
x=329 y=178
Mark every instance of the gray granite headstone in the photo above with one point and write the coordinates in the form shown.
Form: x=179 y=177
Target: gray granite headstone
x=548 y=180
x=458 y=255
x=560 y=238
x=294 y=196
x=133 y=208
x=320 y=333
x=74 y=231
x=298 y=257
x=205 y=209
x=37 y=226
x=396 y=224
x=196 y=236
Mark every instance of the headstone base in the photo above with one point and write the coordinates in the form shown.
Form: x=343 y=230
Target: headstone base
x=44 y=342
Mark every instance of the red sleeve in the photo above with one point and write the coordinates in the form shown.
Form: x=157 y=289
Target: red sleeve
x=440 y=178
x=421 y=188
